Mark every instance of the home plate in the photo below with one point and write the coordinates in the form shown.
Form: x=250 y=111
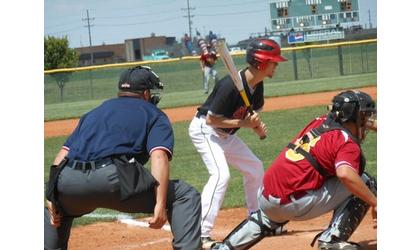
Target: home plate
x=138 y=223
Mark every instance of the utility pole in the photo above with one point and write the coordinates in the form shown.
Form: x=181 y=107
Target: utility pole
x=370 y=22
x=188 y=9
x=90 y=49
x=90 y=37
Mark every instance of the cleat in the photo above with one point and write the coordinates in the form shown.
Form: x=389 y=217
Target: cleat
x=207 y=243
x=338 y=245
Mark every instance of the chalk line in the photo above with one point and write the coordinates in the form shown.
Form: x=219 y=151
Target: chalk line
x=126 y=219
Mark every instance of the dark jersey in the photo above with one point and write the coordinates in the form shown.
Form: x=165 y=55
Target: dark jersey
x=124 y=125
x=226 y=101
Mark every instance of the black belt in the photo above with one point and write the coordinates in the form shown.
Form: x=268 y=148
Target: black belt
x=88 y=165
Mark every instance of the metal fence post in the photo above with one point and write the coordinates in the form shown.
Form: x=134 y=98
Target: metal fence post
x=340 y=60
x=350 y=62
x=295 y=63
x=91 y=84
x=367 y=58
x=363 y=61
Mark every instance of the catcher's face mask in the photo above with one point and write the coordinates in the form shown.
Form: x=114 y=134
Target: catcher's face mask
x=357 y=107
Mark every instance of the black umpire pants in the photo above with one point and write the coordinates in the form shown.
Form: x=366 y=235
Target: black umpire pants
x=81 y=192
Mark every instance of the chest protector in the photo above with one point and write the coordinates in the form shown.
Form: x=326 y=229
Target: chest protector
x=328 y=125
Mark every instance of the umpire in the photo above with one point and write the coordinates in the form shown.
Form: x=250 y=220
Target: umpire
x=101 y=166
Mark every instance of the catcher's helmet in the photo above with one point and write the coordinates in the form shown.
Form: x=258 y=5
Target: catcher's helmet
x=349 y=105
x=262 y=51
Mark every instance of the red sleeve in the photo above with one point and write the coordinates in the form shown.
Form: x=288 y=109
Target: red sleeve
x=202 y=57
x=348 y=154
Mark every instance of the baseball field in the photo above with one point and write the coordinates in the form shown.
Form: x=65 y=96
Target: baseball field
x=290 y=104
x=284 y=116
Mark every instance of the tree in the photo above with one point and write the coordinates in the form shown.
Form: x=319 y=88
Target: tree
x=57 y=55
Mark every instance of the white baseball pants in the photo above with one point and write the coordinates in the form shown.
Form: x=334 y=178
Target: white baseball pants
x=217 y=151
x=209 y=72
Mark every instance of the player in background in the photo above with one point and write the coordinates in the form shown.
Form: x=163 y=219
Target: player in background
x=207 y=64
x=213 y=129
x=321 y=170
x=208 y=59
x=188 y=43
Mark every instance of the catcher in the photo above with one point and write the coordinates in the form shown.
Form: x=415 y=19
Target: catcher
x=321 y=170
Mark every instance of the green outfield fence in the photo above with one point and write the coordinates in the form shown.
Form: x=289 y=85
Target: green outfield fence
x=184 y=74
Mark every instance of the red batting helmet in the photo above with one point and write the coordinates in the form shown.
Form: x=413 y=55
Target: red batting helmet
x=262 y=51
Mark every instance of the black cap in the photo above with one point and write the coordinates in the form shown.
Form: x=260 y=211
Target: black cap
x=139 y=78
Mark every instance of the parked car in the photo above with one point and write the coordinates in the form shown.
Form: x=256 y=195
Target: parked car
x=157 y=54
x=233 y=49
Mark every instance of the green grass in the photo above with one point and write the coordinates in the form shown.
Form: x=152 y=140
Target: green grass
x=187 y=165
x=68 y=110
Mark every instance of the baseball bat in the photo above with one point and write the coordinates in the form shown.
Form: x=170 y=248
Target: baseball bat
x=233 y=72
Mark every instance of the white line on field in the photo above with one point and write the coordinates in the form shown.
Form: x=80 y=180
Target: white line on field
x=126 y=219
x=137 y=223
x=111 y=216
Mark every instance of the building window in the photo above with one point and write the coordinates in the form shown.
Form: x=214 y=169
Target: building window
x=282 y=12
x=313 y=8
x=343 y=6
x=348 y=5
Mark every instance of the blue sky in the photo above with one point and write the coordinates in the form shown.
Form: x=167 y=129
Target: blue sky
x=117 y=20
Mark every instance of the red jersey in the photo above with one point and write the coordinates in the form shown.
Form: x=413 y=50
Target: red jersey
x=291 y=172
x=209 y=59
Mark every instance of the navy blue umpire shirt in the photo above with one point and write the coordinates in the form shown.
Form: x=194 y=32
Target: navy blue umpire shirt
x=123 y=125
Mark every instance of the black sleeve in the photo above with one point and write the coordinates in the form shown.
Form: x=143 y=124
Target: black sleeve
x=258 y=97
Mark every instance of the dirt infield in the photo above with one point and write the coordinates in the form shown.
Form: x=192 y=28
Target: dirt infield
x=65 y=127
x=116 y=235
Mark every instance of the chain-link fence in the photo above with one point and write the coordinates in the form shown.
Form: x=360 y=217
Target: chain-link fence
x=306 y=62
